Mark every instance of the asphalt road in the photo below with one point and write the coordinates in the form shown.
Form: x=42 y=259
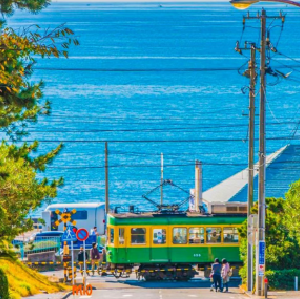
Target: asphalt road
x=164 y=294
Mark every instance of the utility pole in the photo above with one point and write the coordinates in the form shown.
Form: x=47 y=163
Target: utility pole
x=260 y=244
x=260 y=256
x=161 y=177
x=106 y=180
x=252 y=74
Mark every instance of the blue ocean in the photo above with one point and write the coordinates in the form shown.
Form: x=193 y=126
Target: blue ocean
x=152 y=78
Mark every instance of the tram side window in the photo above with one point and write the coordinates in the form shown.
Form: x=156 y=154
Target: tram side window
x=230 y=234
x=213 y=235
x=138 y=236
x=111 y=235
x=121 y=236
x=159 y=236
x=196 y=235
x=179 y=235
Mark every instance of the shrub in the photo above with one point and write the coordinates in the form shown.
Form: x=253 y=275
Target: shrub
x=4 y=292
x=282 y=280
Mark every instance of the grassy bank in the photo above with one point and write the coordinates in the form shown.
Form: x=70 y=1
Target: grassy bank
x=24 y=281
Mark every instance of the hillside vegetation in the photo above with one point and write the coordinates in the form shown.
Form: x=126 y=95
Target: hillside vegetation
x=24 y=281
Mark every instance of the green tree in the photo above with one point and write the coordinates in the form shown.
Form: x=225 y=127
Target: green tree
x=20 y=191
x=292 y=210
x=21 y=101
x=282 y=249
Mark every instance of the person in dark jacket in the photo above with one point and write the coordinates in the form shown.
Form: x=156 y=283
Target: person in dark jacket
x=216 y=271
x=80 y=258
x=95 y=256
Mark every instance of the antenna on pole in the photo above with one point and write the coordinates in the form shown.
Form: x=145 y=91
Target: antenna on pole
x=161 y=177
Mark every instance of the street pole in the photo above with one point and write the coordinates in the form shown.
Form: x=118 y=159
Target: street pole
x=252 y=69
x=260 y=256
x=161 y=177
x=84 y=267
x=72 y=249
x=106 y=180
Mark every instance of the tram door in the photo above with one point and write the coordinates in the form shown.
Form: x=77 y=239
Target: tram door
x=158 y=245
x=122 y=249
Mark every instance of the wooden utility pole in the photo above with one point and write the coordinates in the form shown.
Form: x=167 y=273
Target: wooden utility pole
x=252 y=74
x=106 y=180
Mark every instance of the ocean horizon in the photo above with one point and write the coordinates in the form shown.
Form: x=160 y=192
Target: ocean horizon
x=152 y=79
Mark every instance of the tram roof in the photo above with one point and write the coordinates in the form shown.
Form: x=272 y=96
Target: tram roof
x=151 y=218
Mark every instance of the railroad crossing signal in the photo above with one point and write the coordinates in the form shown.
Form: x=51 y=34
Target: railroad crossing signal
x=65 y=217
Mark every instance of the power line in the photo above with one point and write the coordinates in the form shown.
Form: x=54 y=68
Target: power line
x=139 y=69
x=174 y=165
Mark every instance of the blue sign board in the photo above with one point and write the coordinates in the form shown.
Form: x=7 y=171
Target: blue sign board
x=88 y=243
x=261 y=252
x=69 y=235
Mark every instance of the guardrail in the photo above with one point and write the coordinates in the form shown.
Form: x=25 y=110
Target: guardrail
x=38 y=245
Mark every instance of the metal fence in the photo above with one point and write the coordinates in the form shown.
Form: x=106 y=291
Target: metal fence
x=40 y=244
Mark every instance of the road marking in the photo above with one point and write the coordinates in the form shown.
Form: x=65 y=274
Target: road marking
x=127 y=295
x=192 y=296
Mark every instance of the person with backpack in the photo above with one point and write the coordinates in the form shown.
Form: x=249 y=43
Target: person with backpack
x=226 y=273
x=80 y=258
x=216 y=272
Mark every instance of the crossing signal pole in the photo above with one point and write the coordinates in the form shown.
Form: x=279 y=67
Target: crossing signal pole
x=260 y=244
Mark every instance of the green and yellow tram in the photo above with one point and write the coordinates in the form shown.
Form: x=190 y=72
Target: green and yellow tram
x=162 y=246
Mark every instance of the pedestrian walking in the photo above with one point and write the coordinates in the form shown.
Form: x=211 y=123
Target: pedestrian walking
x=80 y=258
x=226 y=273
x=95 y=256
x=216 y=271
